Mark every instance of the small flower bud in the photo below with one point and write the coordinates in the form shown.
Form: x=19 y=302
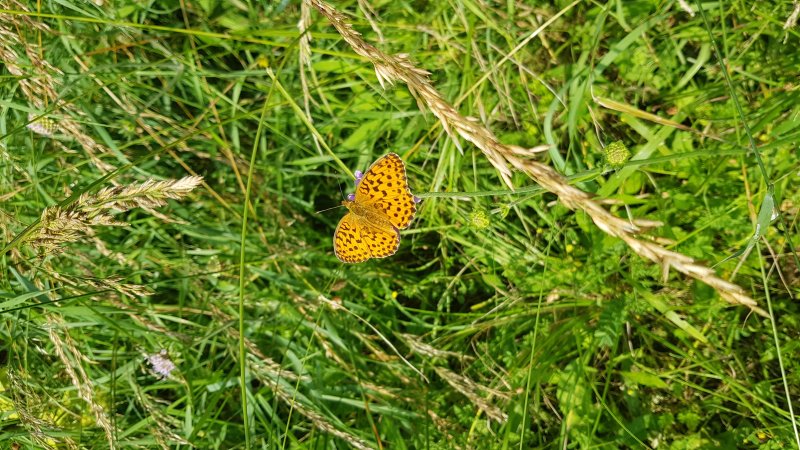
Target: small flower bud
x=479 y=219
x=617 y=154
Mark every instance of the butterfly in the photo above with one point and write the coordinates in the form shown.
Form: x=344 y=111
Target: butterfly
x=382 y=205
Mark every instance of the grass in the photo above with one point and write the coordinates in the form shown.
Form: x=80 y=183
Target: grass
x=605 y=255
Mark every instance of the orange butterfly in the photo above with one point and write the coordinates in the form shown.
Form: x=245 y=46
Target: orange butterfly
x=382 y=205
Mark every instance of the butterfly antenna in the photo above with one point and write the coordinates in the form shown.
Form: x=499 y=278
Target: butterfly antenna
x=328 y=209
x=333 y=207
x=341 y=192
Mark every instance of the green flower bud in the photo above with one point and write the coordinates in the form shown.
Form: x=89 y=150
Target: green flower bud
x=479 y=219
x=617 y=154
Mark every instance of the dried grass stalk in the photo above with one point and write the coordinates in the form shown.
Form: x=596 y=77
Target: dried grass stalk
x=71 y=358
x=473 y=391
x=164 y=428
x=30 y=408
x=686 y=7
x=390 y=69
x=39 y=80
x=59 y=226
x=791 y=21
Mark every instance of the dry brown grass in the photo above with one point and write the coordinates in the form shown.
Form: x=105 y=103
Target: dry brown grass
x=61 y=225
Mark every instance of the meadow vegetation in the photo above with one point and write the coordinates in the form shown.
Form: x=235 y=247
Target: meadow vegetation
x=605 y=255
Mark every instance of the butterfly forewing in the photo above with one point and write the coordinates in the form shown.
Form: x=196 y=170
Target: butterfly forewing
x=385 y=187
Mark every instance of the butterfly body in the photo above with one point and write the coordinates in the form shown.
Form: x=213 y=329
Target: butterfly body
x=382 y=206
x=370 y=214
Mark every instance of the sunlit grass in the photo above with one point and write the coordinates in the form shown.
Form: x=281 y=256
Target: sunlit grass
x=603 y=255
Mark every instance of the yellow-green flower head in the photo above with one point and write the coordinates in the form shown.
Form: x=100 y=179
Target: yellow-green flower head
x=617 y=154
x=43 y=126
x=479 y=219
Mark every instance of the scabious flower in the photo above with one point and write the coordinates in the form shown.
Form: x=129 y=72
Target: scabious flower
x=359 y=175
x=161 y=364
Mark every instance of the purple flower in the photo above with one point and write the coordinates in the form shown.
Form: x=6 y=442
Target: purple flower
x=417 y=199
x=351 y=197
x=359 y=175
x=161 y=364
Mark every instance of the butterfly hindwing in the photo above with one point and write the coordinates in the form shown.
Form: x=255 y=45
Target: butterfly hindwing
x=355 y=240
x=348 y=244
x=382 y=242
